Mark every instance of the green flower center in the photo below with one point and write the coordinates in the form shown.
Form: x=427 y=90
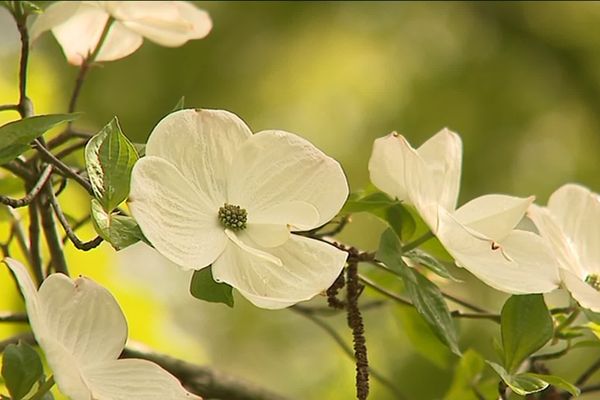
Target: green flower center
x=233 y=217
x=594 y=281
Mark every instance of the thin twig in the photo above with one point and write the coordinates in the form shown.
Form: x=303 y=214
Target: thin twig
x=12 y=317
x=587 y=374
x=19 y=233
x=35 y=250
x=19 y=170
x=52 y=239
x=9 y=107
x=383 y=291
x=417 y=242
x=346 y=349
x=62 y=167
x=25 y=107
x=31 y=195
x=85 y=246
x=70 y=149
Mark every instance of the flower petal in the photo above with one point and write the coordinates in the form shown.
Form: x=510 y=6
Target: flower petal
x=586 y=296
x=254 y=251
x=561 y=246
x=577 y=211
x=521 y=263
x=309 y=267
x=268 y=235
x=179 y=221
x=443 y=155
x=201 y=144
x=83 y=317
x=55 y=14
x=132 y=379
x=168 y=23
x=386 y=165
x=275 y=167
x=493 y=215
x=119 y=43
x=79 y=35
x=35 y=311
x=299 y=215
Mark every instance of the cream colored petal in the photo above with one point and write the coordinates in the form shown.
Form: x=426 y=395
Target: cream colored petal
x=577 y=211
x=268 y=235
x=586 y=296
x=180 y=222
x=201 y=144
x=309 y=268
x=521 y=263
x=84 y=318
x=275 y=167
x=119 y=43
x=35 y=310
x=299 y=215
x=561 y=246
x=79 y=35
x=55 y=14
x=65 y=369
x=168 y=23
x=493 y=215
x=133 y=379
x=241 y=239
x=443 y=155
x=386 y=165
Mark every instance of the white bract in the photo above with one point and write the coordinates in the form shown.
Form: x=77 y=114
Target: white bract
x=209 y=191
x=571 y=224
x=82 y=331
x=78 y=26
x=480 y=235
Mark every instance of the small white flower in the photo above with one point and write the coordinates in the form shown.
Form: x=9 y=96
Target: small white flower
x=571 y=224
x=82 y=331
x=208 y=192
x=480 y=235
x=78 y=26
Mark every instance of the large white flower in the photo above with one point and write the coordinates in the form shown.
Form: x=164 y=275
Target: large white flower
x=82 y=330
x=571 y=224
x=480 y=235
x=208 y=192
x=78 y=26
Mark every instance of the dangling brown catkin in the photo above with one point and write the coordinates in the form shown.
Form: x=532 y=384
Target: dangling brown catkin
x=333 y=291
x=355 y=322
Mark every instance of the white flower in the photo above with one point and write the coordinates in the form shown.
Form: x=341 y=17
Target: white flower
x=78 y=26
x=81 y=329
x=208 y=192
x=571 y=224
x=480 y=235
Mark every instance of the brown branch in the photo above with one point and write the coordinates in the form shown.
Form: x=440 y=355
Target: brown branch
x=355 y=323
x=33 y=192
x=85 y=246
x=57 y=254
x=12 y=317
x=205 y=381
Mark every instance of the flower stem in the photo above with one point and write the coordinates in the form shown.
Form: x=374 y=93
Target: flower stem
x=417 y=242
x=86 y=64
x=43 y=389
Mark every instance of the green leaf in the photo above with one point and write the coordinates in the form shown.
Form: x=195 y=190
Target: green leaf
x=466 y=376
x=16 y=136
x=420 y=257
x=180 y=104
x=526 y=326
x=21 y=369
x=522 y=384
x=557 y=381
x=204 y=287
x=118 y=230
x=109 y=159
x=385 y=208
x=425 y=296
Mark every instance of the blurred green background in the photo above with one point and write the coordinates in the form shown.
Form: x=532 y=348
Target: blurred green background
x=520 y=82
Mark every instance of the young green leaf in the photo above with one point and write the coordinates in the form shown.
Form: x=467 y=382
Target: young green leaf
x=204 y=287
x=109 y=159
x=16 y=136
x=521 y=384
x=466 y=376
x=425 y=296
x=526 y=326
x=119 y=230
x=556 y=381
x=21 y=369
x=383 y=207
x=420 y=257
